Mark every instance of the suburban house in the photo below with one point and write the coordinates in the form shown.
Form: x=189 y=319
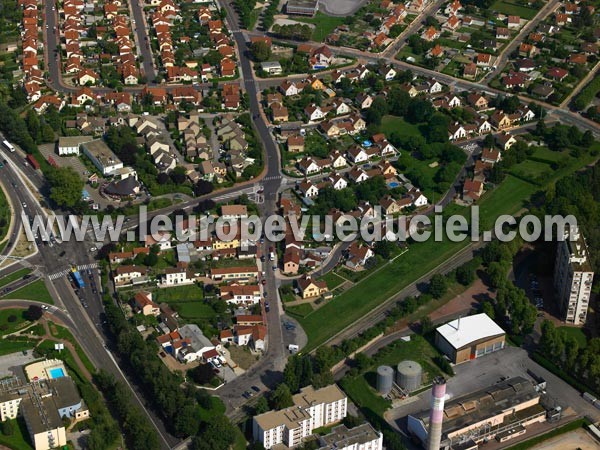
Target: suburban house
x=309 y=288
x=144 y=305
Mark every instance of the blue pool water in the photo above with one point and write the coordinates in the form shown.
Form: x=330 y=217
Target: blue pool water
x=394 y=184
x=367 y=143
x=56 y=373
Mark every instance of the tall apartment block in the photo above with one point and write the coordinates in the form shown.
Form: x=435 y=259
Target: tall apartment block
x=312 y=409
x=573 y=277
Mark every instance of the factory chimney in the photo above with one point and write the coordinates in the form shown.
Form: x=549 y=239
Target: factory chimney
x=436 y=415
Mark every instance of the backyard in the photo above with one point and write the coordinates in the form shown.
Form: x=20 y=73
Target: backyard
x=324 y=25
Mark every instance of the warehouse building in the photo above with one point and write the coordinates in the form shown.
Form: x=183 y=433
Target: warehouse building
x=302 y=7
x=502 y=411
x=469 y=338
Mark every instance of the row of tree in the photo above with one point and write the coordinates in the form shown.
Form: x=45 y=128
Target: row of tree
x=564 y=350
x=179 y=408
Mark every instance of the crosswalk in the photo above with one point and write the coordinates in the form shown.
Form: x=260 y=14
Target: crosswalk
x=64 y=272
x=273 y=177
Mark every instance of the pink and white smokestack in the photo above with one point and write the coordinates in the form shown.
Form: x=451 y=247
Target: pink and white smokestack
x=436 y=415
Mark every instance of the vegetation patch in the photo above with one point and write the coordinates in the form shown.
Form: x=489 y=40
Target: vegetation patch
x=35 y=291
x=14 y=276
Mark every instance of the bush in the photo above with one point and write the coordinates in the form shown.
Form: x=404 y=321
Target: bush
x=8 y=429
x=443 y=364
x=12 y=318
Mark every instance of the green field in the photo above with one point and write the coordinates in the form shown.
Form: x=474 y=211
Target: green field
x=389 y=124
x=576 y=333
x=14 y=276
x=530 y=168
x=195 y=310
x=299 y=311
x=19 y=440
x=513 y=8
x=15 y=345
x=5 y=214
x=63 y=333
x=361 y=388
x=332 y=280
x=190 y=292
x=548 y=155
x=508 y=198
x=324 y=24
x=7 y=327
x=36 y=291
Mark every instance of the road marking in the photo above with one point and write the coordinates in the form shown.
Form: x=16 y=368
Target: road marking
x=65 y=272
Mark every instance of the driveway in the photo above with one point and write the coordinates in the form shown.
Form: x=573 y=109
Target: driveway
x=11 y=364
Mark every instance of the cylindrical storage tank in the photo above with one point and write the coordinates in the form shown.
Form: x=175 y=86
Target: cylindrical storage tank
x=385 y=379
x=409 y=376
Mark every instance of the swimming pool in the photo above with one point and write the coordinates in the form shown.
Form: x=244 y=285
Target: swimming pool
x=393 y=184
x=57 y=372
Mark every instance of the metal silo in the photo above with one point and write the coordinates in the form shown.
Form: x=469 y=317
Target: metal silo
x=409 y=376
x=385 y=379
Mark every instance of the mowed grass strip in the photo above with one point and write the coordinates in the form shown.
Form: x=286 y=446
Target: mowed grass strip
x=514 y=8
x=35 y=291
x=14 y=276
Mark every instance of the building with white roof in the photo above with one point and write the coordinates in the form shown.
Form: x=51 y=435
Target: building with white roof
x=469 y=337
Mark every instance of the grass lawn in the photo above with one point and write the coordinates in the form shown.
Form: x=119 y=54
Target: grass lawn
x=576 y=333
x=389 y=124
x=36 y=291
x=324 y=25
x=332 y=280
x=19 y=440
x=5 y=214
x=514 y=8
x=548 y=155
x=529 y=168
x=195 y=310
x=299 y=311
x=15 y=345
x=7 y=327
x=14 y=276
x=189 y=292
x=508 y=198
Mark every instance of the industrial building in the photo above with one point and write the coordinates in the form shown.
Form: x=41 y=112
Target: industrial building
x=102 y=157
x=302 y=7
x=469 y=338
x=312 y=409
x=501 y=411
x=362 y=437
x=573 y=277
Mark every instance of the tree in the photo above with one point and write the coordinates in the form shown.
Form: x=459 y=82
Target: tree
x=281 y=397
x=384 y=248
x=34 y=126
x=33 y=313
x=217 y=434
x=426 y=325
x=437 y=285
x=202 y=374
x=261 y=51
x=203 y=187
x=65 y=186
x=262 y=406
x=497 y=274
x=47 y=134
x=187 y=420
x=8 y=429
x=465 y=274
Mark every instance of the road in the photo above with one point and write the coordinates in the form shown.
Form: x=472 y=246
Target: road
x=521 y=36
x=86 y=322
x=142 y=39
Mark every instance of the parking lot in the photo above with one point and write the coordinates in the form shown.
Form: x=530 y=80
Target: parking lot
x=488 y=370
x=12 y=363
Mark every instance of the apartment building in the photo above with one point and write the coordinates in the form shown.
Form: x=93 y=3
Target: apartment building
x=362 y=437
x=573 y=277
x=312 y=409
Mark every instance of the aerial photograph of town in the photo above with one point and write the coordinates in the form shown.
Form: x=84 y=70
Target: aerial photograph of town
x=299 y=224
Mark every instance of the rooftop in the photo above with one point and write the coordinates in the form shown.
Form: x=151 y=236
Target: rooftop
x=342 y=437
x=464 y=331
x=308 y=396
